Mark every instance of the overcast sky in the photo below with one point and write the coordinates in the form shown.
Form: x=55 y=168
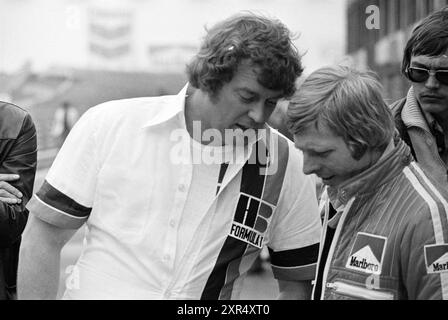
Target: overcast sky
x=53 y=32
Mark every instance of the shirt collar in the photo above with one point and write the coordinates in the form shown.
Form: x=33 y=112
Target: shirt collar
x=433 y=124
x=391 y=163
x=169 y=108
x=412 y=115
x=175 y=105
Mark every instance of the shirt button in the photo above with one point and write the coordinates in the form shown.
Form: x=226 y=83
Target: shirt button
x=182 y=188
x=172 y=223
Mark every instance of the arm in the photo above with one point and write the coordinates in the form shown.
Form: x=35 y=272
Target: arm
x=39 y=260
x=294 y=246
x=294 y=290
x=20 y=160
x=55 y=214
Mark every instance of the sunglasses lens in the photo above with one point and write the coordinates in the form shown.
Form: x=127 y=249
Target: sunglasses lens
x=417 y=75
x=442 y=76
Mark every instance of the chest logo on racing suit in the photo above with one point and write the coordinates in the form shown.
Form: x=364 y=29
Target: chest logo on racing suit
x=436 y=258
x=367 y=253
x=251 y=220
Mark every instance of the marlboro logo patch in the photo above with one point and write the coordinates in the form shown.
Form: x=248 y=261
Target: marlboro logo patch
x=367 y=253
x=251 y=220
x=436 y=258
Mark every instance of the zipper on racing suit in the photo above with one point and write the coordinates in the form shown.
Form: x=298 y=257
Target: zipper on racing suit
x=356 y=291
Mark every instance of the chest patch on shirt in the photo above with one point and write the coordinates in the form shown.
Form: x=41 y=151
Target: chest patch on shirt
x=436 y=258
x=367 y=253
x=251 y=220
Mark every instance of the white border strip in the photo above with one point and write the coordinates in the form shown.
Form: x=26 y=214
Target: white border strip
x=433 y=188
x=333 y=245
x=435 y=215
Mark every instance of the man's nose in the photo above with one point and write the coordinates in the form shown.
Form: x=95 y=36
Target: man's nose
x=432 y=82
x=310 y=165
x=258 y=113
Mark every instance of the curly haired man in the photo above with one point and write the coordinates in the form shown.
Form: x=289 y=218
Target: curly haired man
x=180 y=193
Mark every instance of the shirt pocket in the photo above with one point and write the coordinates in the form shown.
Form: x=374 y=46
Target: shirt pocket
x=122 y=202
x=349 y=290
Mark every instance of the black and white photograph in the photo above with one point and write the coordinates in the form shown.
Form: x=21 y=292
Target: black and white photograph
x=240 y=151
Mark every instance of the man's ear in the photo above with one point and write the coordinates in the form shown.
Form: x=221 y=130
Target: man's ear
x=357 y=150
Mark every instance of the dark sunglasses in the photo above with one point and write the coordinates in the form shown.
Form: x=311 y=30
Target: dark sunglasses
x=421 y=74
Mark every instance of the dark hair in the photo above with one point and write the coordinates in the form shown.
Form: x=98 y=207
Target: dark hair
x=429 y=37
x=266 y=43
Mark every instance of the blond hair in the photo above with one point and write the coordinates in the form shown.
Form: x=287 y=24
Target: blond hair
x=349 y=102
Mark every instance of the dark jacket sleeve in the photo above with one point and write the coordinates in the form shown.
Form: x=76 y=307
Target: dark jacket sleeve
x=19 y=156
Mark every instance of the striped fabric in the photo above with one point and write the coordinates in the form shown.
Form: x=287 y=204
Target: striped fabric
x=258 y=191
x=393 y=240
x=132 y=198
x=296 y=264
x=56 y=208
x=438 y=207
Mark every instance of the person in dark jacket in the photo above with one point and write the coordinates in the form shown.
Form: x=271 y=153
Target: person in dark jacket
x=422 y=116
x=18 y=158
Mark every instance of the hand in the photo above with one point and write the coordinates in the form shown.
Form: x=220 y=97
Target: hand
x=8 y=193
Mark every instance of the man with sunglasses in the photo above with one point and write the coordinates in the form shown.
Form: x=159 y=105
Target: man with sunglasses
x=422 y=117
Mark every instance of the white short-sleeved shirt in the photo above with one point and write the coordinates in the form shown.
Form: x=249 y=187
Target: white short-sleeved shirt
x=125 y=170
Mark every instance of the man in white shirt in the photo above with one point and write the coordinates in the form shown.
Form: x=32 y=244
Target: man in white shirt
x=180 y=193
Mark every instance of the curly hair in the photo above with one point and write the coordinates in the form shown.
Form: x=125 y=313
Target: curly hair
x=429 y=37
x=266 y=43
x=349 y=102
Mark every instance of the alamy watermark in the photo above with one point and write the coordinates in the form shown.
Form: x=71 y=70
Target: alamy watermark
x=373 y=282
x=373 y=18
x=240 y=146
x=73 y=18
x=72 y=280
